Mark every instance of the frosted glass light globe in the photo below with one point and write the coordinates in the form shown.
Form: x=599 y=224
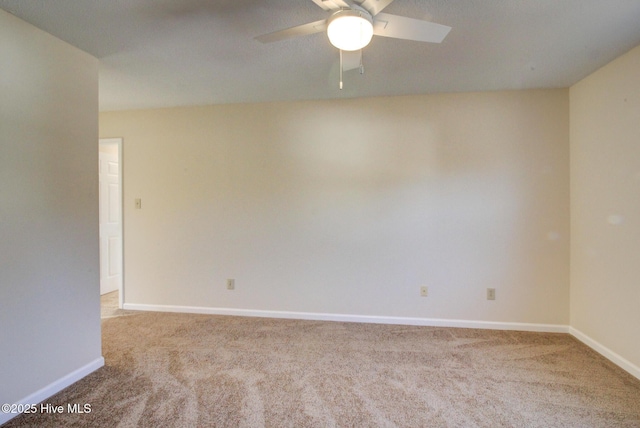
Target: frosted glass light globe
x=350 y=30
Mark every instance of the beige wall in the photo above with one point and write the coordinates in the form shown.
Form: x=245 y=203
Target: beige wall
x=349 y=206
x=605 y=206
x=49 y=282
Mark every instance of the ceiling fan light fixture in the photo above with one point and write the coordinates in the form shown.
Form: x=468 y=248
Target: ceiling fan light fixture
x=350 y=30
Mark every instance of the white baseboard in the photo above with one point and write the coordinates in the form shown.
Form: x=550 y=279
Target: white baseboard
x=606 y=352
x=431 y=322
x=55 y=387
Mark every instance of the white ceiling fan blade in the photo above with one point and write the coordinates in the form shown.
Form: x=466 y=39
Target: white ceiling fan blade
x=399 y=27
x=300 y=30
x=374 y=7
x=330 y=5
x=351 y=60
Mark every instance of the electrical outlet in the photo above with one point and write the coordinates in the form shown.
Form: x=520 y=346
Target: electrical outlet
x=231 y=284
x=138 y=203
x=424 y=291
x=491 y=294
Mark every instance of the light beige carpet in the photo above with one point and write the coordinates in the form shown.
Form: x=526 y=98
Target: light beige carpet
x=109 y=306
x=197 y=370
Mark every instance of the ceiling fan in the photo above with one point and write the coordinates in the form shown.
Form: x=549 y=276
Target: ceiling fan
x=353 y=23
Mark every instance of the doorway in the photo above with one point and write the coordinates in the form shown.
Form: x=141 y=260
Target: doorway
x=110 y=217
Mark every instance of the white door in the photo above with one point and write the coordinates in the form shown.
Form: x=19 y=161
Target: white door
x=110 y=224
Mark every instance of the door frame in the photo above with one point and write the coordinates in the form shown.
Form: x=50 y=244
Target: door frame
x=118 y=142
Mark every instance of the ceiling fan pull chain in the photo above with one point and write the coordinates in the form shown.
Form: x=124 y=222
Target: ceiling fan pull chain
x=361 y=63
x=340 y=69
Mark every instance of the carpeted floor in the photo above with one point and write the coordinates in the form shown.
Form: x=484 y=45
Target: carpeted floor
x=198 y=370
x=109 y=306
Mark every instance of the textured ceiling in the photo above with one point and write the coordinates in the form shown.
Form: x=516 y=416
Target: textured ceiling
x=161 y=53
